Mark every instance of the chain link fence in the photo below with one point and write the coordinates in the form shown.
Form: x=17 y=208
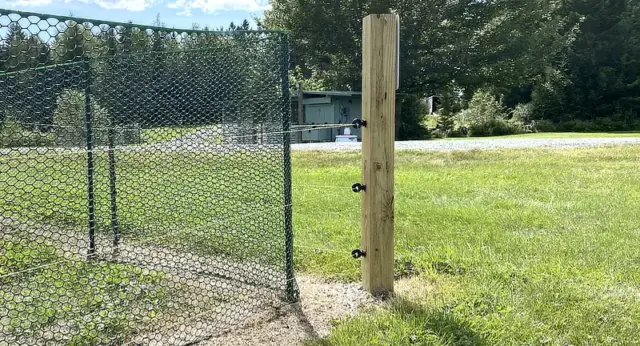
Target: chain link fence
x=145 y=181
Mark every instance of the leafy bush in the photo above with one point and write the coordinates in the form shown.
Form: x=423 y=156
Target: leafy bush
x=495 y=127
x=458 y=131
x=544 y=126
x=576 y=126
x=486 y=117
x=549 y=97
x=69 y=120
x=483 y=107
x=12 y=135
x=70 y=127
x=412 y=117
x=439 y=133
x=610 y=124
x=523 y=113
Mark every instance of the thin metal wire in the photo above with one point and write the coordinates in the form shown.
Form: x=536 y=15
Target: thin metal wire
x=298 y=128
x=295 y=128
x=217 y=191
x=315 y=128
x=139 y=241
x=15 y=273
x=81 y=20
x=216 y=222
x=142 y=148
x=320 y=187
x=321 y=249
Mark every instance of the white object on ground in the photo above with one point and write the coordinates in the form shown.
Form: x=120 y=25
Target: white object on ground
x=347 y=136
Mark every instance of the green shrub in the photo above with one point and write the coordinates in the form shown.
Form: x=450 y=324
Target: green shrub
x=12 y=135
x=523 y=113
x=69 y=119
x=495 y=127
x=70 y=127
x=451 y=102
x=411 y=120
x=544 y=126
x=439 y=133
x=458 y=131
x=609 y=124
x=576 y=126
x=483 y=107
x=485 y=116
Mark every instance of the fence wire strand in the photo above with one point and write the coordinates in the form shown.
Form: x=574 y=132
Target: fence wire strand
x=181 y=143
x=141 y=241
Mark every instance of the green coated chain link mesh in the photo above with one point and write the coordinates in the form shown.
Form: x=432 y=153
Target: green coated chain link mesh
x=145 y=181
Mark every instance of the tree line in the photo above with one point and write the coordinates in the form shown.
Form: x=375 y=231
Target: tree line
x=139 y=76
x=568 y=64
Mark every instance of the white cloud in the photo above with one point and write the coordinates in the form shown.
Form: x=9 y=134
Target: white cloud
x=186 y=7
x=32 y=2
x=186 y=12
x=211 y=6
x=129 y=5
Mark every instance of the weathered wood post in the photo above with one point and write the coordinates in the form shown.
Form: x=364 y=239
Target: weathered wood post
x=379 y=84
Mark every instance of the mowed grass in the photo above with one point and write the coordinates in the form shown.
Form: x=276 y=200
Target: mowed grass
x=504 y=247
x=620 y=134
x=102 y=301
x=207 y=202
x=227 y=204
x=164 y=134
x=493 y=247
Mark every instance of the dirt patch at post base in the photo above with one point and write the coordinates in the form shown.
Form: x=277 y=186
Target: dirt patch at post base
x=321 y=304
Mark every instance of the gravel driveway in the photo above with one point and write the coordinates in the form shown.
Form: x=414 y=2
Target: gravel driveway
x=199 y=144
x=489 y=143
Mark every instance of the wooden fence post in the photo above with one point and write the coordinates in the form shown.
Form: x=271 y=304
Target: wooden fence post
x=379 y=81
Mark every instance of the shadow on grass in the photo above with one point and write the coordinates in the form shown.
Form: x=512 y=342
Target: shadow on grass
x=403 y=322
x=438 y=325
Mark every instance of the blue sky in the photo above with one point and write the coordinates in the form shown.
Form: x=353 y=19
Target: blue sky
x=174 y=13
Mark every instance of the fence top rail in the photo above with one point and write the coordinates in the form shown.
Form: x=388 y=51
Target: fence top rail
x=61 y=18
x=106 y=57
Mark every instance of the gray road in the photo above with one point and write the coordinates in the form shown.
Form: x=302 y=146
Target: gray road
x=482 y=144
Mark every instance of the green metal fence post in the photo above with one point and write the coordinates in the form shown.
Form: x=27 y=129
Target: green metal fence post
x=112 y=185
x=292 y=294
x=90 y=162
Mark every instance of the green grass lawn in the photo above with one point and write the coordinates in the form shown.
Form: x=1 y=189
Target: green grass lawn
x=562 y=135
x=164 y=134
x=514 y=247
x=96 y=299
x=501 y=247
x=208 y=204
x=190 y=200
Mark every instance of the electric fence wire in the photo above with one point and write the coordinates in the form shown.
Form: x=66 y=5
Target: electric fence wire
x=138 y=241
x=170 y=145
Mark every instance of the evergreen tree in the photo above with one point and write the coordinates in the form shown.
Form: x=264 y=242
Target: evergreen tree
x=598 y=86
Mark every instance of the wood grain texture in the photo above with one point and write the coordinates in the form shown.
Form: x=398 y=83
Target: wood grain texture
x=378 y=108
